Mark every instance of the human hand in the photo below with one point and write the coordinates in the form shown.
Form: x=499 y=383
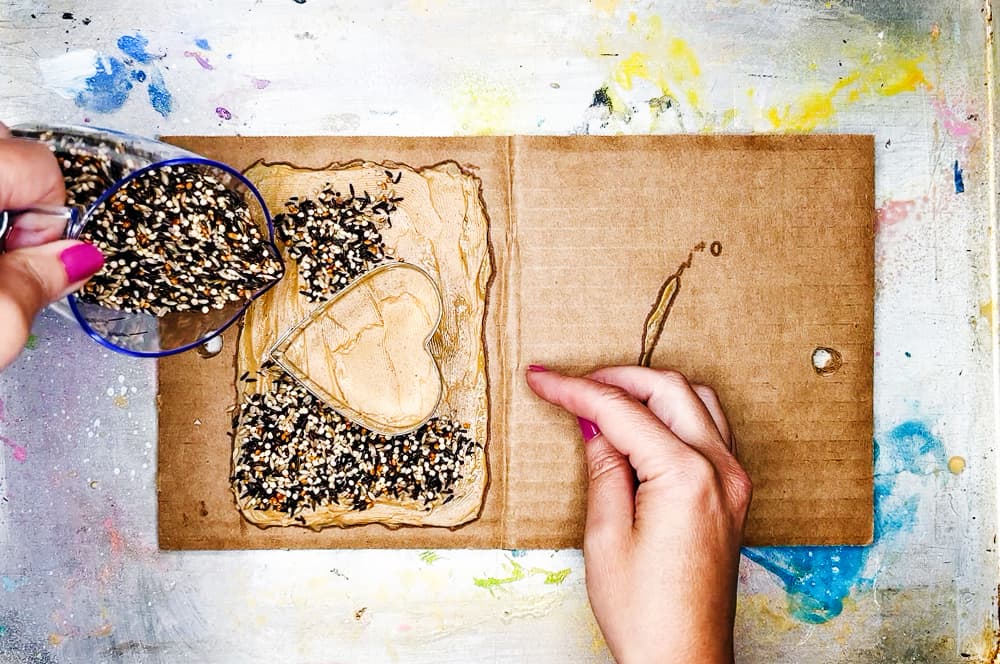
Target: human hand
x=661 y=557
x=38 y=267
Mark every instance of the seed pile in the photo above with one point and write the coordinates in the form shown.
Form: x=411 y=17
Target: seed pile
x=176 y=239
x=89 y=169
x=336 y=238
x=296 y=454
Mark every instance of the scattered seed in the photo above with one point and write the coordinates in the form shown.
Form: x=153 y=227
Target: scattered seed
x=294 y=452
x=333 y=238
x=297 y=454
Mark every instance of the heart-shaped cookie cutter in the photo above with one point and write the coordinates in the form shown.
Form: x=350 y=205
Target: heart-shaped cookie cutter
x=278 y=351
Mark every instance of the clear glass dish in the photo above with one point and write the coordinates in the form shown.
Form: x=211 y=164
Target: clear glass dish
x=121 y=158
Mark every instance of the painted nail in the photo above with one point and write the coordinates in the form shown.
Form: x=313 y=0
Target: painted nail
x=588 y=428
x=81 y=261
x=537 y=368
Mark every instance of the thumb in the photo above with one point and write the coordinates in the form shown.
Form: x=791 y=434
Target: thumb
x=611 y=482
x=610 y=492
x=32 y=278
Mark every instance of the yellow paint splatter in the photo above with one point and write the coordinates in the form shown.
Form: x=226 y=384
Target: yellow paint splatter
x=120 y=401
x=606 y=6
x=482 y=106
x=986 y=310
x=885 y=78
x=956 y=465
x=651 y=54
x=761 y=616
x=598 y=645
x=55 y=639
x=104 y=630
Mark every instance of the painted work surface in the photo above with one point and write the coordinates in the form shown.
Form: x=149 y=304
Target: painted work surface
x=81 y=579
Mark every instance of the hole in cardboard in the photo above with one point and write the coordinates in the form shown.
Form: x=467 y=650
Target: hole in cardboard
x=826 y=361
x=211 y=348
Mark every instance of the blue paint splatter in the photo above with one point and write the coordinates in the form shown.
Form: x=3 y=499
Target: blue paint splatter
x=518 y=553
x=134 y=46
x=202 y=44
x=159 y=96
x=818 y=579
x=907 y=353
x=959 y=181
x=10 y=585
x=112 y=83
x=107 y=90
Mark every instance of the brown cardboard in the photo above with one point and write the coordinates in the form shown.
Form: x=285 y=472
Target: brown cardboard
x=585 y=232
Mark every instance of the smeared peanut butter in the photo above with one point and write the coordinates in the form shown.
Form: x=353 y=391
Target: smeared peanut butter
x=441 y=227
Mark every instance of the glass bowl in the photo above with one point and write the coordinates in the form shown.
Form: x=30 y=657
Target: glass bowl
x=117 y=159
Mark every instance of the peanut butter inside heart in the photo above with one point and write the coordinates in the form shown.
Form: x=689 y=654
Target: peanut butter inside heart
x=365 y=351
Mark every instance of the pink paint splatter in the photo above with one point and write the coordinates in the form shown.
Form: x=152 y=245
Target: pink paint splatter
x=200 y=59
x=893 y=212
x=19 y=451
x=223 y=113
x=953 y=122
x=117 y=541
x=260 y=83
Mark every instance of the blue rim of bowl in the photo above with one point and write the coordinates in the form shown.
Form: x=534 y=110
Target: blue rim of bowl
x=181 y=161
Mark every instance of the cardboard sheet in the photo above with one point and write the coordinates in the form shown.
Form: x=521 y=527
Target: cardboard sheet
x=770 y=243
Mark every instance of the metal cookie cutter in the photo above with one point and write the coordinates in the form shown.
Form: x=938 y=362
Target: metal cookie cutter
x=341 y=403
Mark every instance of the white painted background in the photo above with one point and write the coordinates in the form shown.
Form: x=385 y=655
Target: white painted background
x=82 y=580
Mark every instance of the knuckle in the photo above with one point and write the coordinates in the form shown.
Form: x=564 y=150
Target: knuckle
x=740 y=488
x=602 y=463
x=14 y=303
x=698 y=470
x=673 y=379
x=15 y=323
x=31 y=283
x=614 y=395
x=705 y=392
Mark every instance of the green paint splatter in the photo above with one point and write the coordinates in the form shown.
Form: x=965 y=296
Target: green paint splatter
x=3 y=631
x=429 y=557
x=32 y=342
x=518 y=573
x=556 y=578
x=491 y=583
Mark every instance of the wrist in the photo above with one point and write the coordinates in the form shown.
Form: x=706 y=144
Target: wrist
x=683 y=651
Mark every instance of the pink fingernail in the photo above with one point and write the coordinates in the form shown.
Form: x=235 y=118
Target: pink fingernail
x=588 y=428
x=81 y=261
x=537 y=368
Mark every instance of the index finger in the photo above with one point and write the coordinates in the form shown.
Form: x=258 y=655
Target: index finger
x=652 y=449
x=29 y=175
x=671 y=398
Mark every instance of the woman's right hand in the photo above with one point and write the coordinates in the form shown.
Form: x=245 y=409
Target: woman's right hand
x=667 y=502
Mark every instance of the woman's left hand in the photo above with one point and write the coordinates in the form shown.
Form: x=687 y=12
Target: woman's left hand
x=37 y=267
